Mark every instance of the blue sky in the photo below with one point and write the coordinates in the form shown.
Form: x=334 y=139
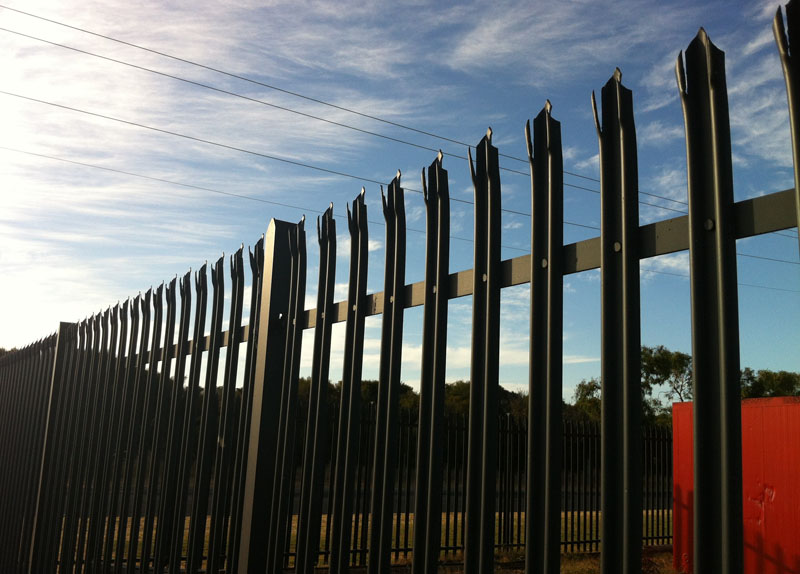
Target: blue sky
x=74 y=239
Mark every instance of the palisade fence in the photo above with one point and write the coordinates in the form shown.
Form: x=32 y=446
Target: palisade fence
x=580 y=487
x=115 y=457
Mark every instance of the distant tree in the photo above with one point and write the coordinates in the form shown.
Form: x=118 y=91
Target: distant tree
x=573 y=414
x=456 y=398
x=586 y=400
x=514 y=403
x=766 y=383
x=672 y=369
x=408 y=399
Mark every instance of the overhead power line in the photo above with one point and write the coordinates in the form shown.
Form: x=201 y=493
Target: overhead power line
x=257 y=82
x=322 y=102
x=251 y=99
x=303 y=209
x=300 y=208
x=247 y=151
x=683 y=276
x=302 y=96
x=307 y=115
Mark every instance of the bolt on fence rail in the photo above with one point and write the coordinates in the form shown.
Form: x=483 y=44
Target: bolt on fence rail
x=117 y=458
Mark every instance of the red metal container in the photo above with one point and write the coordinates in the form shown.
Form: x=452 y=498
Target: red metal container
x=771 y=485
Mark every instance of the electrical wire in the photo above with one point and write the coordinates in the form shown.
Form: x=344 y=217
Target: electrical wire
x=250 y=99
x=255 y=82
x=303 y=114
x=298 y=95
x=219 y=191
x=307 y=209
x=683 y=276
x=247 y=151
x=312 y=99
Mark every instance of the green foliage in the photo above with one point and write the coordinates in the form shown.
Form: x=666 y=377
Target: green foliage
x=673 y=369
x=666 y=375
x=408 y=399
x=456 y=401
x=456 y=398
x=586 y=402
x=766 y=383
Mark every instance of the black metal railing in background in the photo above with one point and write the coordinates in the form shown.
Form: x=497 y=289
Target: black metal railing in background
x=579 y=504
x=25 y=384
x=116 y=456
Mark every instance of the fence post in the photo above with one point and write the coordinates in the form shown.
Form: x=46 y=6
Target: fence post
x=260 y=470
x=621 y=457
x=484 y=362
x=430 y=436
x=790 y=61
x=185 y=438
x=147 y=455
x=226 y=439
x=386 y=423
x=318 y=425
x=345 y=478
x=207 y=436
x=280 y=513
x=545 y=436
x=715 y=313
x=65 y=347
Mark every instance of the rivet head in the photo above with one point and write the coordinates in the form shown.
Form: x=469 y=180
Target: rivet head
x=391 y=299
x=294 y=321
x=434 y=289
x=322 y=315
x=484 y=277
x=544 y=263
x=709 y=224
x=354 y=307
x=617 y=247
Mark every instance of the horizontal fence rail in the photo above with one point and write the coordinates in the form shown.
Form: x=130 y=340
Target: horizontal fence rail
x=162 y=435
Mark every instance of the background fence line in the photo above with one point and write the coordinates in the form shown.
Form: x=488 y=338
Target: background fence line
x=116 y=437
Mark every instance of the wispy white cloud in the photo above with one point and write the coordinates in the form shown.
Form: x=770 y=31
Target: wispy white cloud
x=674 y=264
x=574 y=36
x=656 y=133
x=591 y=163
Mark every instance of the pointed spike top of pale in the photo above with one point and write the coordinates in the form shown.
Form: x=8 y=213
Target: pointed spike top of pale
x=548 y=106
x=440 y=156
x=489 y=134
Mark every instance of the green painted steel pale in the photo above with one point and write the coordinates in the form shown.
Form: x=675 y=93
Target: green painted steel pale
x=790 y=61
x=544 y=272
x=258 y=475
x=621 y=496
x=714 y=311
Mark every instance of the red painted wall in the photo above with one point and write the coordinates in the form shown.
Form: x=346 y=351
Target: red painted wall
x=771 y=485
